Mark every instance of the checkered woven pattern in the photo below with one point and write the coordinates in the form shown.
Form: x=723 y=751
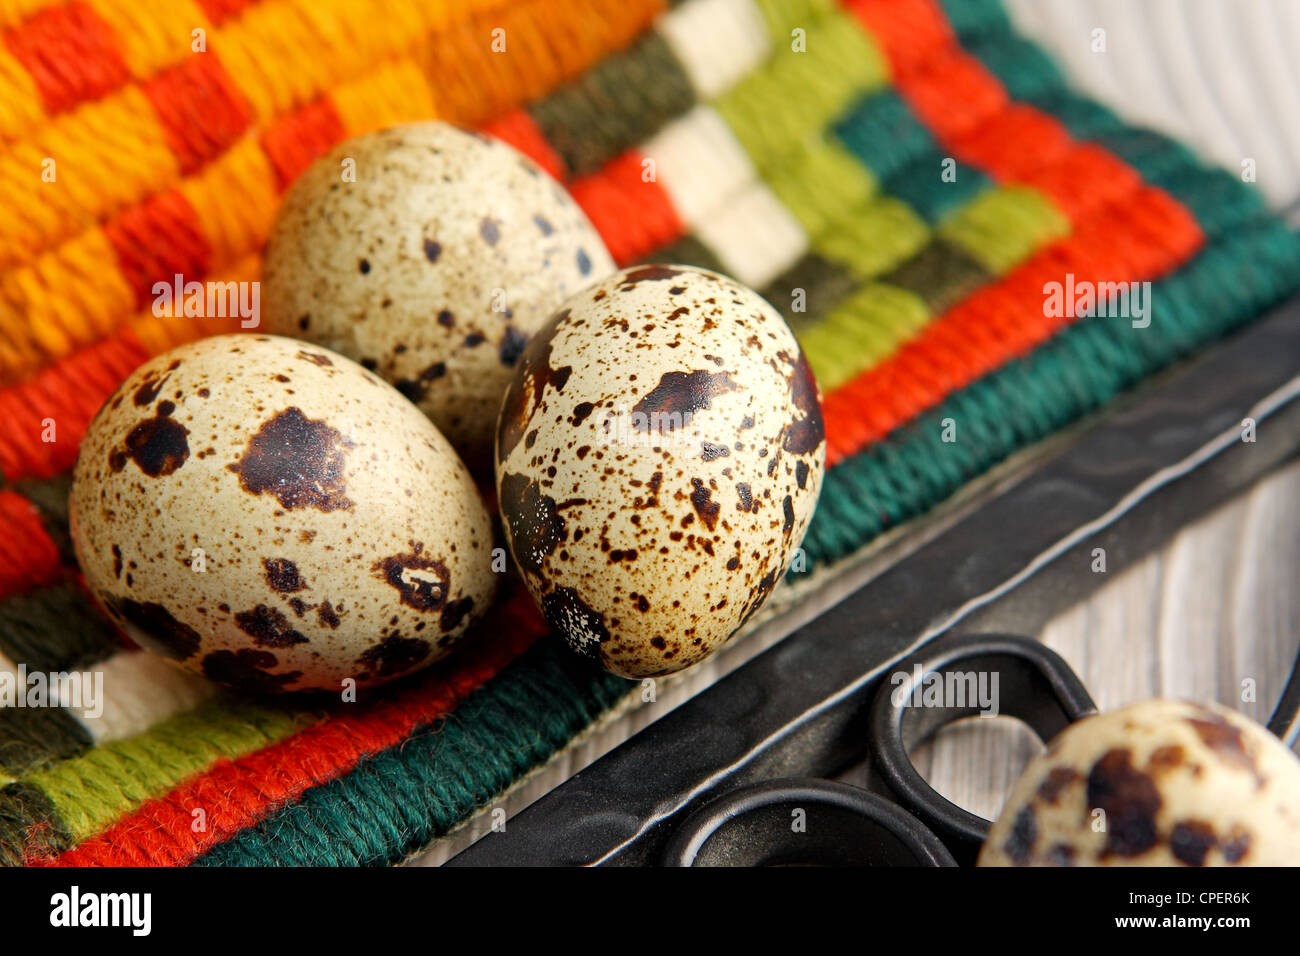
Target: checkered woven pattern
x=900 y=177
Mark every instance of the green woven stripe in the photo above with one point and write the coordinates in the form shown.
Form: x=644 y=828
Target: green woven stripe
x=861 y=331
x=923 y=186
x=397 y=801
x=1004 y=226
x=883 y=133
x=875 y=238
x=783 y=16
x=809 y=289
x=819 y=183
x=1080 y=370
x=941 y=274
x=36 y=737
x=797 y=94
x=90 y=791
x=54 y=629
x=618 y=103
x=27 y=821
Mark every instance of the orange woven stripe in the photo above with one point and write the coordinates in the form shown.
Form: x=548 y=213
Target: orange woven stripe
x=284 y=54
x=396 y=92
x=159 y=239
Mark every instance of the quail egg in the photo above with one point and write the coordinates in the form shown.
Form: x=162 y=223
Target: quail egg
x=429 y=255
x=1159 y=783
x=659 y=455
x=277 y=518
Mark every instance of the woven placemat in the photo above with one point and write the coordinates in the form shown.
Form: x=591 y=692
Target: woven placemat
x=904 y=179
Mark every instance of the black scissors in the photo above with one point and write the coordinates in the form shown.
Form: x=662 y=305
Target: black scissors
x=904 y=821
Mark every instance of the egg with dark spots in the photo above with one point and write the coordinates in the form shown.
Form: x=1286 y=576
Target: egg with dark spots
x=465 y=248
x=1158 y=783
x=277 y=518
x=659 y=455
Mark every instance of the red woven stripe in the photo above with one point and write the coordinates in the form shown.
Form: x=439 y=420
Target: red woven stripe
x=157 y=240
x=999 y=145
x=200 y=109
x=28 y=557
x=519 y=130
x=236 y=794
x=69 y=392
x=633 y=216
x=907 y=33
x=295 y=142
x=954 y=95
x=1082 y=180
x=1140 y=237
x=71 y=54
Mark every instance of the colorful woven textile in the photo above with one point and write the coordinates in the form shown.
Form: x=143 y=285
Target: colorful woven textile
x=901 y=177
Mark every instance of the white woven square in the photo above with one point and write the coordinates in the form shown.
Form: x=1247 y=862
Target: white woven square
x=754 y=236
x=139 y=691
x=717 y=41
x=699 y=163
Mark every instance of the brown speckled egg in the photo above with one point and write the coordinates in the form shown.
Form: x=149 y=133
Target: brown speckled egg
x=659 y=456
x=433 y=268
x=1159 y=783
x=277 y=518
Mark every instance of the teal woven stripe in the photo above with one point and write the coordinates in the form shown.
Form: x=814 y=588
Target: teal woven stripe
x=883 y=133
x=921 y=185
x=397 y=801
x=1080 y=370
x=974 y=18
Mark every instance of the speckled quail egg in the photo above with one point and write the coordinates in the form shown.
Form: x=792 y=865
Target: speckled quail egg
x=659 y=455
x=1159 y=783
x=432 y=268
x=278 y=518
